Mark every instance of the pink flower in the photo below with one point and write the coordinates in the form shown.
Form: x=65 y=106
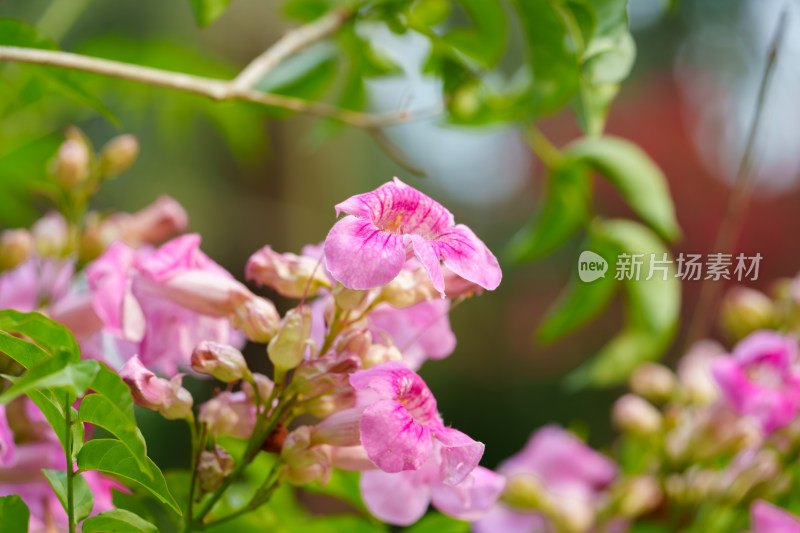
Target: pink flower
x=761 y=378
x=152 y=392
x=767 y=518
x=571 y=472
x=399 y=426
x=293 y=276
x=369 y=247
x=403 y=498
x=166 y=300
x=420 y=332
x=35 y=282
x=7 y=447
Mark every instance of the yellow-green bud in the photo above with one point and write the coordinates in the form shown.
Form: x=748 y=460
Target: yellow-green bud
x=654 y=382
x=118 y=155
x=286 y=349
x=71 y=164
x=15 y=247
x=745 y=311
x=633 y=414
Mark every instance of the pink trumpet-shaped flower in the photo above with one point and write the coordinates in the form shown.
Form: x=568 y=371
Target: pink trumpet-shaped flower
x=761 y=378
x=369 y=247
x=152 y=392
x=399 y=426
x=403 y=498
x=768 y=518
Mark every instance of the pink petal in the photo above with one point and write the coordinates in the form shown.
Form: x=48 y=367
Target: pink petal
x=7 y=447
x=395 y=381
x=360 y=256
x=460 y=455
x=501 y=518
x=768 y=518
x=768 y=346
x=179 y=255
x=471 y=498
x=400 y=499
x=428 y=255
x=109 y=280
x=392 y=439
x=466 y=255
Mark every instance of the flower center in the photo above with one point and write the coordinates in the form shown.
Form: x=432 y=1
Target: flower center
x=766 y=375
x=393 y=225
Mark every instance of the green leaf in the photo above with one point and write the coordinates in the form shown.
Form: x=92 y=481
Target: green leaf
x=635 y=175
x=581 y=301
x=56 y=372
x=14 y=515
x=565 y=210
x=486 y=40
x=83 y=499
x=117 y=521
x=111 y=407
x=17 y=33
x=207 y=11
x=343 y=485
x=652 y=309
x=305 y=75
x=47 y=333
x=25 y=353
x=53 y=409
x=552 y=53
x=438 y=523
x=113 y=457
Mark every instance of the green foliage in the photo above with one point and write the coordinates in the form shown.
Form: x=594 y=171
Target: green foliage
x=83 y=498
x=117 y=521
x=52 y=406
x=207 y=11
x=342 y=485
x=114 y=458
x=637 y=178
x=58 y=372
x=50 y=335
x=438 y=523
x=14 y=514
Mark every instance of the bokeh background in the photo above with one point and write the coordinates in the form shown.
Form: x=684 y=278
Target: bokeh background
x=250 y=177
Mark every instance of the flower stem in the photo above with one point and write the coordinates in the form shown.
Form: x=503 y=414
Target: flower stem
x=70 y=472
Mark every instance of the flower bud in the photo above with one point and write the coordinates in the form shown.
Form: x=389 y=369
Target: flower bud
x=654 y=382
x=71 y=164
x=213 y=467
x=305 y=461
x=50 y=234
x=633 y=414
x=118 y=155
x=638 y=496
x=156 y=223
x=328 y=404
x=221 y=361
x=349 y=299
x=379 y=353
x=15 y=247
x=255 y=316
x=229 y=413
x=286 y=349
x=356 y=341
x=152 y=392
x=293 y=276
x=694 y=373
x=409 y=288
x=526 y=492
x=746 y=310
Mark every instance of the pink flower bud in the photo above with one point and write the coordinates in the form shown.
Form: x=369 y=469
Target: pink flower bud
x=151 y=392
x=264 y=385
x=71 y=165
x=293 y=276
x=213 y=467
x=694 y=373
x=15 y=246
x=221 y=361
x=255 y=316
x=229 y=413
x=286 y=349
x=378 y=354
x=633 y=414
x=305 y=461
x=156 y=223
x=118 y=155
x=655 y=382
x=50 y=234
x=356 y=341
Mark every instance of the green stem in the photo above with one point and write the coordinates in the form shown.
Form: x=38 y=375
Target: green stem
x=70 y=472
x=334 y=331
x=543 y=148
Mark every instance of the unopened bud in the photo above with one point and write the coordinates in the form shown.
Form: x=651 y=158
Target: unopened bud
x=255 y=316
x=409 y=288
x=638 y=496
x=746 y=310
x=527 y=492
x=286 y=349
x=152 y=392
x=229 y=413
x=293 y=276
x=213 y=467
x=118 y=155
x=50 y=234
x=71 y=164
x=694 y=373
x=305 y=461
x=654 y=382
x=15 y=246
x=355 y=341
x=379 y=353
x=349 y=299
x=633 y=414
x=221 y=361
x=263 y=384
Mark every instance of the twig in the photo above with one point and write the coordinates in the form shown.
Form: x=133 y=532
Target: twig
x=215 y=89
x=739 y=193
x=290 y=44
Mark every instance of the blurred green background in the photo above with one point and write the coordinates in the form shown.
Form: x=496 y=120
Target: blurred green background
x=249 y=177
